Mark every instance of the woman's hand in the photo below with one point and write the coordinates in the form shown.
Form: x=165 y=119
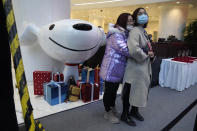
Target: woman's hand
x=151 y=54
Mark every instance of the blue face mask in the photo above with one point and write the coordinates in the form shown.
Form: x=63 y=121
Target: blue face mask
x=142 y=19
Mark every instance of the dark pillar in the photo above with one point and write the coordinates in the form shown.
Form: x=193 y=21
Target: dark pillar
x=8 y=117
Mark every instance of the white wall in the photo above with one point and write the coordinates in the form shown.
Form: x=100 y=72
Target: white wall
x=173 y=21
x=152 y=26
x=39 y=12
x=96 y=20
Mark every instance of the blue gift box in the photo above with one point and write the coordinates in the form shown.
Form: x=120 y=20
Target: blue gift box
x=55 y=92
x=84 y=76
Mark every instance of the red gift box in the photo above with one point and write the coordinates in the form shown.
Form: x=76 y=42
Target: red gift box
x=89 y=92
x=58 y=77
x=86 y=89
x=40 y=77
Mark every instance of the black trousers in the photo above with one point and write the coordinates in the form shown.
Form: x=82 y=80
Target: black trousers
x=195 y=124
x=109 y=97
x=125 y=97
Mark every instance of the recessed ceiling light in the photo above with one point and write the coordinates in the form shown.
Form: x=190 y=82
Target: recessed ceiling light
x=178 y=2
x=191 y=6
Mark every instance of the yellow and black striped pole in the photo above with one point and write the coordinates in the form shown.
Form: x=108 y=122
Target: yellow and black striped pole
x=27 y=109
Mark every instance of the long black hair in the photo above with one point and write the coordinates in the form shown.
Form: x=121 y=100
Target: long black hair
x=135 y=14
x=122 y=20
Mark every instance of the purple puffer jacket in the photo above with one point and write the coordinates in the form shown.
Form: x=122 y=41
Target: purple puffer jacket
x=116 y=53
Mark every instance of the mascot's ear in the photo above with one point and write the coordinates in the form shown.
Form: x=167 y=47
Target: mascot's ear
x=30 y=35
x=103 y=35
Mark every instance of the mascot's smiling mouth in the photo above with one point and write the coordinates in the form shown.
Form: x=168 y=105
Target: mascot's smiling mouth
x=69 y=48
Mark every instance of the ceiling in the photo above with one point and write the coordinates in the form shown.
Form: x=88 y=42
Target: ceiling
x=112 y=11
x=93 y=4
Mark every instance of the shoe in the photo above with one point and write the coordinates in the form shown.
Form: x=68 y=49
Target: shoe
x=126 y=118
x=115 y=111
x=111 y=117
x=135 y=113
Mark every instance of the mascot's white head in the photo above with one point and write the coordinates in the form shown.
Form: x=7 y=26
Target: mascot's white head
x=69 y=41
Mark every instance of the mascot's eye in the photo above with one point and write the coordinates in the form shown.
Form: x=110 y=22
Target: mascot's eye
x=82 y=27
x=51 y=26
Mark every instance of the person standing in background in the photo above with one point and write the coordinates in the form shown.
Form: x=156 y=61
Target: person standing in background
x=137 y=76
x=114 y=63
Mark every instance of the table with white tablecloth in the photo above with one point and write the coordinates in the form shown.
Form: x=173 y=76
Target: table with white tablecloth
x=177 y=75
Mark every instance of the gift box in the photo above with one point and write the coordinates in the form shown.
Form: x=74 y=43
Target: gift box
x=40 y=77
x=86 y=92
x=84 y=75
x=58 y=77
x=74 y=90
x=74 y=93
x=89 y=92
x=86 y=88
x=55 y=92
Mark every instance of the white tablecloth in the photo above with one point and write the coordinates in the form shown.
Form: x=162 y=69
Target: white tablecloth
x=177 y=75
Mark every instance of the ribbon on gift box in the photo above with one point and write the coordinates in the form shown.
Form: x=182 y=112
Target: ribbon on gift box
x=79 y=83
x=59 y=89
x=92 y=93
x=84 y=74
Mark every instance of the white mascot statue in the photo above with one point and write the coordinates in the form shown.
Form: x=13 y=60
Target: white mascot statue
x=68 y=41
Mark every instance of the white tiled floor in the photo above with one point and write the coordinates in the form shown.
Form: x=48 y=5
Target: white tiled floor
x=40 y=107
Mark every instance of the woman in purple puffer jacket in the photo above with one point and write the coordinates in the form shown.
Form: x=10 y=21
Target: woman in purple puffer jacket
x=114 y=63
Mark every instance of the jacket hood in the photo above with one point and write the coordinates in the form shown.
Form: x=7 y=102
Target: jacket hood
x=113 y=30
